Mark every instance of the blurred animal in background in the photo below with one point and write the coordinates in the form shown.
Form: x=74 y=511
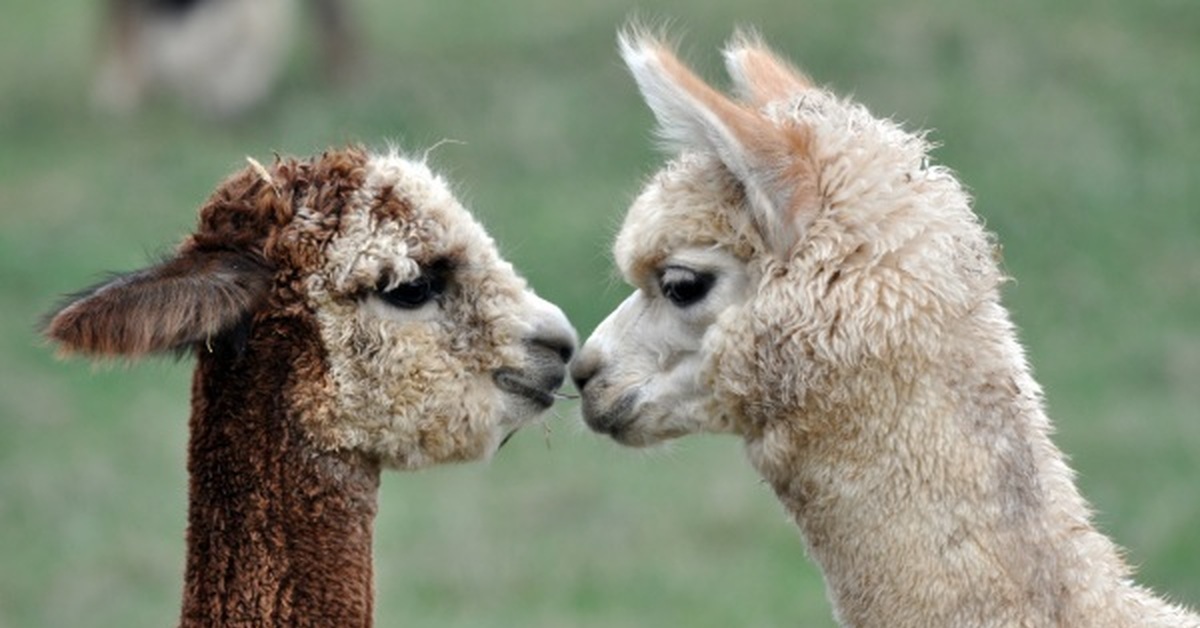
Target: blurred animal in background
x=806 y=279
x=346 y=314
x=220 y=58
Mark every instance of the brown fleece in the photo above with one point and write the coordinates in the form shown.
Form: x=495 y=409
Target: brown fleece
x=222 y=271
x=278 y=534
x=194 y=296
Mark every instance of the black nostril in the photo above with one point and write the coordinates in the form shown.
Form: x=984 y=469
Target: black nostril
x=582 y=372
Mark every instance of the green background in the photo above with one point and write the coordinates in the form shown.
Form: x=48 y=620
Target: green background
x=1075 y=124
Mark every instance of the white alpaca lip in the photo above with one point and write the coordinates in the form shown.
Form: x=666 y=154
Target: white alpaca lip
x=514 y=381
x=614 y=420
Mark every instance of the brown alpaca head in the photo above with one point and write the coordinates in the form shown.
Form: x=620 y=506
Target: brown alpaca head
x=429 y=347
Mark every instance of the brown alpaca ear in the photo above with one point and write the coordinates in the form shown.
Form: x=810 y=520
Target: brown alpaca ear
x=759 y=75
x=190 y=298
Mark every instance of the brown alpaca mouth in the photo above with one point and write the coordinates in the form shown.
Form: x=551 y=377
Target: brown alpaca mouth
x=512 y=381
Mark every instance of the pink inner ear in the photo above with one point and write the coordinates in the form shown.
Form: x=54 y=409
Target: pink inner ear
x=190 y=298
x=759 y=75
x=773 y=162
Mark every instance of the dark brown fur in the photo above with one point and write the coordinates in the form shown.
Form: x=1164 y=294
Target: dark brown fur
x=279 y=532
x=192 y=298
x=220 y=273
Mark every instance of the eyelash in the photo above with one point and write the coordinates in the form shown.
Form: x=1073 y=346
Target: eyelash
x=684 y=287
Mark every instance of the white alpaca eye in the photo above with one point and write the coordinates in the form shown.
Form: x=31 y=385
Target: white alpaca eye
x=683 y=286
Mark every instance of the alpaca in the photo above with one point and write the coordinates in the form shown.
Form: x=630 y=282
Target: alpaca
x=807 y=280
x=347 y=315
x=220 y=57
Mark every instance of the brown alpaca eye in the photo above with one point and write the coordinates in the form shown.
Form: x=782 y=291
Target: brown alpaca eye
x=416 y=293
x=411 y=295
x=683 y=286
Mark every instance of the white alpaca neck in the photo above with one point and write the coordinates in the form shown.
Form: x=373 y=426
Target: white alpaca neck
x=939 y=500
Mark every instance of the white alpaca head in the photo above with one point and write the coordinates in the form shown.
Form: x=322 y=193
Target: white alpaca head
x=793 y=237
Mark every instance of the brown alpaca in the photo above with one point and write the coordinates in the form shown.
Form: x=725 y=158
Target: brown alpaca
x=347 y=315
x=808 y=281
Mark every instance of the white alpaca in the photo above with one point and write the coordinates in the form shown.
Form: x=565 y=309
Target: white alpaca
x=808 y=281
x=347 y=314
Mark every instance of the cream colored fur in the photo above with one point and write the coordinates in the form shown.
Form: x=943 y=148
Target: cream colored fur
x=853 y=336
x=418 y=387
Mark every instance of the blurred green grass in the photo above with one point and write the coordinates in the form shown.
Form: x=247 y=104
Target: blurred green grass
x=1075 y=124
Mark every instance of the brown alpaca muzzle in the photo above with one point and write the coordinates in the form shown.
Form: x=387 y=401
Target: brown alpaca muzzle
x=548 y=349
x=539 y=381
x=515 y=382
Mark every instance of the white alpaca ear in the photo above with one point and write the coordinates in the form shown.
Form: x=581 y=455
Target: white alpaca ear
x=759 y=75
x=692 y=115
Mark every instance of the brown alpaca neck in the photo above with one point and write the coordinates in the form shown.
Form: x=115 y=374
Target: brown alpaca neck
x=278 y=533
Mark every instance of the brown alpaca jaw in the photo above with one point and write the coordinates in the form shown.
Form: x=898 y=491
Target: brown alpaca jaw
x=538 y=388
